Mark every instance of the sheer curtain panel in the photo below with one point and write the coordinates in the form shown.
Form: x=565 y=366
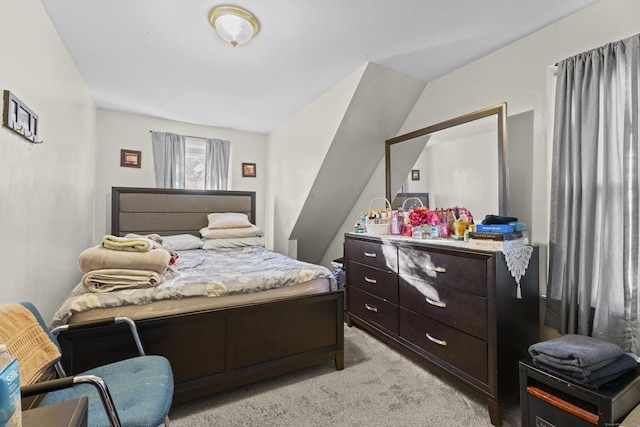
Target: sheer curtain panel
x=594 y=225
x=216 y=164
x=168 y=159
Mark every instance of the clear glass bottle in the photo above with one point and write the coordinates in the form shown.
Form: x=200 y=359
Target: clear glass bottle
x=395 y=226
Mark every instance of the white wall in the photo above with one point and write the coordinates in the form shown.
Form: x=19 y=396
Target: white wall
x=46 y=190
x=517 y=74
x=297 y=149
x=116 y=131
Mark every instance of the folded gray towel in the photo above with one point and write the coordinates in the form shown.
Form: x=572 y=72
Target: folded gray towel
x=599 y=377
x=579 y=354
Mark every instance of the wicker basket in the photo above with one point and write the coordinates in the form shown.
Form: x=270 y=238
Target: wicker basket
x=404 y=208
x=379 y=229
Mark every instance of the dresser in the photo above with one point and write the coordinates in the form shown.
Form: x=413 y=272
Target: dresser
x=451 y=309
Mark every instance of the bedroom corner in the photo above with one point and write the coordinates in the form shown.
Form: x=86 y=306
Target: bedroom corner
x=50 y=186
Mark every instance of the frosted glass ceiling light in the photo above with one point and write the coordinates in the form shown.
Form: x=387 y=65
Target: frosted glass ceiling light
x=234 y=24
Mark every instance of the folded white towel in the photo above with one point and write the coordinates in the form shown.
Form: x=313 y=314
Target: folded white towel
x=138 y=244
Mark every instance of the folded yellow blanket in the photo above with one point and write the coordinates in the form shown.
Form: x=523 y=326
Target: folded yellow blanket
x=26 y=340
x=137 y=244
x=107 y=280
x=98 y=257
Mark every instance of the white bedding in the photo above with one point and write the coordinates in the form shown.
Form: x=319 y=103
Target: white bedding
x=204 y=273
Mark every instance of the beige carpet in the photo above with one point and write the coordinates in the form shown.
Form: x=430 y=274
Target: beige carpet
x=378 y=387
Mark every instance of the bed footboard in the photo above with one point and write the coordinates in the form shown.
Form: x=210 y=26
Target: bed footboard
x=218 y=349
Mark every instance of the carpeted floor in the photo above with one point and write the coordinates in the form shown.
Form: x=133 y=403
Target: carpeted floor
x=378 y=387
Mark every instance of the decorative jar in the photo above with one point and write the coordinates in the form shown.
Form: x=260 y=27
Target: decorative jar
x=445 y=229
x=459 y=227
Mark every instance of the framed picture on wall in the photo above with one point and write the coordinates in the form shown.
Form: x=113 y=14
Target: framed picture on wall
x=130 y=158
x=249 y=170
x=20 y=118
x=415 y=174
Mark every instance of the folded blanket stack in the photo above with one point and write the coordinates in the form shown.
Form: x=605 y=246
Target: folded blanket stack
x=112 y=279
x=123 y=263
x=582 y=359
x=98 y=257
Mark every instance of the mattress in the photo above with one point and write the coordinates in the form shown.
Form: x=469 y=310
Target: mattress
x=170 y=307
x=203 y=279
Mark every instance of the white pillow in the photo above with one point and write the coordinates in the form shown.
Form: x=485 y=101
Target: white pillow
x=183 y=242
x=233 y=243
x=228 y=220
x=230 y=233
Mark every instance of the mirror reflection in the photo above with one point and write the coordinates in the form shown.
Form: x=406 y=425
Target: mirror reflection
x=460 y=162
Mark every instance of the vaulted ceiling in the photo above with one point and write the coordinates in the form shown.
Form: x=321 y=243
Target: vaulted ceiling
x=162 y=58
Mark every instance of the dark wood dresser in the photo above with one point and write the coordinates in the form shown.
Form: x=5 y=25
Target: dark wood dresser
x=451 y=309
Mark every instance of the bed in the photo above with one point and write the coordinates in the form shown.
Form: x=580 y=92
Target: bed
x=214 y=343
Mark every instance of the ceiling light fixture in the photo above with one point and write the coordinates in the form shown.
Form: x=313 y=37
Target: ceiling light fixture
x=234 y=24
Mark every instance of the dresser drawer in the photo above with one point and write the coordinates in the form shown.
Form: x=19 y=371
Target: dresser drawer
x=384 y=257
x=461 y=310
x=461 y=272
x=383 y=284
x=373 y=310
x=467 y=353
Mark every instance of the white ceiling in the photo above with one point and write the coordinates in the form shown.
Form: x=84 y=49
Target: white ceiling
x=161 y=58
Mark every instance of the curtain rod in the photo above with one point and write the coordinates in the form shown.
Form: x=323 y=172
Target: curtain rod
x=189 y=136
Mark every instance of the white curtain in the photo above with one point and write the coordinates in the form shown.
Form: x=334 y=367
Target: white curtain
x=168 y=159
x=595 y=221
x=216 y=164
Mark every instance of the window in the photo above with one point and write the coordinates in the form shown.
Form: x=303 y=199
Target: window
x=194 y=163
x=190 y=162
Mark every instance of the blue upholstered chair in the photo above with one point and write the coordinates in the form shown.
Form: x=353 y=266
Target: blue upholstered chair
x=135 y=392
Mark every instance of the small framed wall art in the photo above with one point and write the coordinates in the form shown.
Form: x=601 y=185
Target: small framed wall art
x=415 y=174
x=130 y=158
x=249 y=170
x=20 y=118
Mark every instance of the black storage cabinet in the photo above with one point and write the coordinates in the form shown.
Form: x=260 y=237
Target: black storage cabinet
x=550 y=401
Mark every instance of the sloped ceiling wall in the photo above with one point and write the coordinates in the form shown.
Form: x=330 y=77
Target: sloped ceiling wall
x=379 y=106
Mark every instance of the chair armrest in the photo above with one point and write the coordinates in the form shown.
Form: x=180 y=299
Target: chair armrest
x=104 y=322
x=66 y=382
x=46 y=386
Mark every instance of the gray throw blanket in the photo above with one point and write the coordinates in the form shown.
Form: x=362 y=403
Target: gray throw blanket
x=599 y=377
x=578 y=355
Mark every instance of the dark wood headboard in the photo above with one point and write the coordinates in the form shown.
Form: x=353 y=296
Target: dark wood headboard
x=169 y=211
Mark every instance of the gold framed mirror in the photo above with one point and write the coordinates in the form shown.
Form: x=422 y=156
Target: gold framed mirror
x=459 y=162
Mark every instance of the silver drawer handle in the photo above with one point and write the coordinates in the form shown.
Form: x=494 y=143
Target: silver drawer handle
x=436 y=303
x=436 y=269
x=436 y=340
x=369 y=280
x=371 y=308
x=370 y=254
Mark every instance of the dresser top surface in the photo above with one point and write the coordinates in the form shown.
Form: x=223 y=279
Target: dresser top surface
x=437 y=243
